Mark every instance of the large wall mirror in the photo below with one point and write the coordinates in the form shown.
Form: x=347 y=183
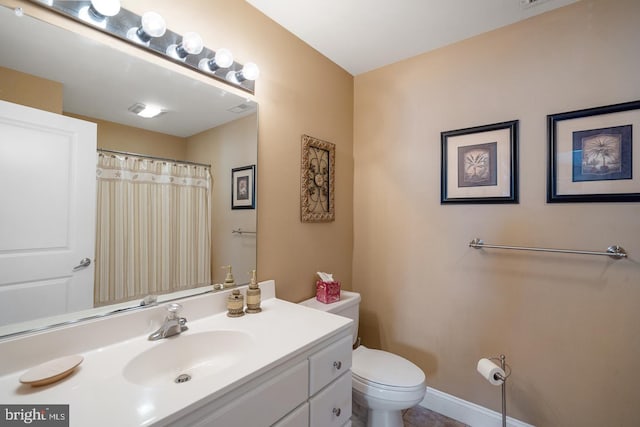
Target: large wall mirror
x=202 y=123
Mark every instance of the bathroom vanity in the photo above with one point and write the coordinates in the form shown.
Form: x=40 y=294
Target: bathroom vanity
x=286 y=366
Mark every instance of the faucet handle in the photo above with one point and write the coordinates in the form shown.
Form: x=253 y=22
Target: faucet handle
x=174 y=310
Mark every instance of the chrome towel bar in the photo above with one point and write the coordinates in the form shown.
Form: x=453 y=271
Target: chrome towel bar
x=241 y=231
x=613 y=251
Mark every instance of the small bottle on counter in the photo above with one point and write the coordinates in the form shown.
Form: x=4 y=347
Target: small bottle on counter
x=229 y=281
x=253 y=295
x=235 y=304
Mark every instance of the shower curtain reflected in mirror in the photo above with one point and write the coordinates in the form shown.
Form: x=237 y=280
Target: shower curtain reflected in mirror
x=153 y=232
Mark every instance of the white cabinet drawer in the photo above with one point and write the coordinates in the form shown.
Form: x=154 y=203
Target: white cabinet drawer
x=332 y=406
x=298 y=418
x=329 y=363
x=267 y=403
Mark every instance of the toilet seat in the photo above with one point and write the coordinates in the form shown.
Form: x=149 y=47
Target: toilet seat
x=364 y=383
x=386 y=371
x=404 y=396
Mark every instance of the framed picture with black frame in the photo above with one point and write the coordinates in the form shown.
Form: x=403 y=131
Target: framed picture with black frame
x=480 y=164
x=243 y=187
x=591 y=155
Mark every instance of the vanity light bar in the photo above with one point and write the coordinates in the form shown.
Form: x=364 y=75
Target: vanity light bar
x=185 y=50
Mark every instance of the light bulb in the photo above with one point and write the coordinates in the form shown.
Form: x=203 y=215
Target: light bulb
x=250 y=71
x=191 y=44
x=97 y=12
x=105 y=8
x=222 y=59
x=151 y=25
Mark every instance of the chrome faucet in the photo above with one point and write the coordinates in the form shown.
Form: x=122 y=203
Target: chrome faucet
x=173 y=324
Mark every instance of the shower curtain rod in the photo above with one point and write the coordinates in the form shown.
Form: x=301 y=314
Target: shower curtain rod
x=164 y=159
x=613 y=251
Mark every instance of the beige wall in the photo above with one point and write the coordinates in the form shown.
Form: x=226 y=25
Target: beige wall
x=569 y=324
x=32 y=91
x=118 y=137
x=232 y=145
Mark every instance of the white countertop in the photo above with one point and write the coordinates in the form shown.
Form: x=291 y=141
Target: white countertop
x=99 y=394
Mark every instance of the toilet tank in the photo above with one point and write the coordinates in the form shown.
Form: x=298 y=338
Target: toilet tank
x=348 y=306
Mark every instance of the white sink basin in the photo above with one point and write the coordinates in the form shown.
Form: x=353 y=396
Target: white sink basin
x=188 y=357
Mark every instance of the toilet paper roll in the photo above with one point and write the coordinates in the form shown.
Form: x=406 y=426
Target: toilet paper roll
x=490 y=371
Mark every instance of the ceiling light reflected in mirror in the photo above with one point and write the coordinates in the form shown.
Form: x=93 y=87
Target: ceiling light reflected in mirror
x=146 y=111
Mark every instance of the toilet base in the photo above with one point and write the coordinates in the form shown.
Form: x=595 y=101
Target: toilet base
x=382 y=415
x=377 y=418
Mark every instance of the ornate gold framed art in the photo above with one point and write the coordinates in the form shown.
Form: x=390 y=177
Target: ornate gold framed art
x=317 y=180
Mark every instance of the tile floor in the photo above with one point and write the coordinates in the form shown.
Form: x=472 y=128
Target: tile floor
x=413 y=417
x=422 y=417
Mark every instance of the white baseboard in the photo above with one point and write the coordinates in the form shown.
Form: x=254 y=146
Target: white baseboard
x=465 y=412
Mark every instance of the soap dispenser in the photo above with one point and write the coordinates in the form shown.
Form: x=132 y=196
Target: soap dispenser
x=235 y=304
x=253 y=295
x=229 y=281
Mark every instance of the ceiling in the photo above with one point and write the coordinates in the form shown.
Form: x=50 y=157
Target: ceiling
x=362 y=35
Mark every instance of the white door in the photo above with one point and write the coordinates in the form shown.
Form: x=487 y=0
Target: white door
x=47 y=213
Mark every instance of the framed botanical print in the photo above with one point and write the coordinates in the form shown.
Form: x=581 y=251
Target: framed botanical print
x=480 y=164
x=591 y=155
x=317 y=180
x=243 y=187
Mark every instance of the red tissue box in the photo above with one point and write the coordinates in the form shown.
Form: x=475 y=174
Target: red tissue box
x=327 y=292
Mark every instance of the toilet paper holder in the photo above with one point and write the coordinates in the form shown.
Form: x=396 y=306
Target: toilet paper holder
x=498 y=376
x=506 y=368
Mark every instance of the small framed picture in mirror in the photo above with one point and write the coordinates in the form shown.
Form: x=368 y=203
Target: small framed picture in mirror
x=243 y=187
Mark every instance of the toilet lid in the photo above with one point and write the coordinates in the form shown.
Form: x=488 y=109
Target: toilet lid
x=385 y=368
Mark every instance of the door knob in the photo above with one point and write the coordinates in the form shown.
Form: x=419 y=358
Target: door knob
x=84 y=262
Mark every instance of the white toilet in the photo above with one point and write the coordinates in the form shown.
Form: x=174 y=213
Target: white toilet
x=384 y=383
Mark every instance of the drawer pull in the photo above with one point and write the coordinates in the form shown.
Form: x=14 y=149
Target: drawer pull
x=337 y=365
x=336 y=412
